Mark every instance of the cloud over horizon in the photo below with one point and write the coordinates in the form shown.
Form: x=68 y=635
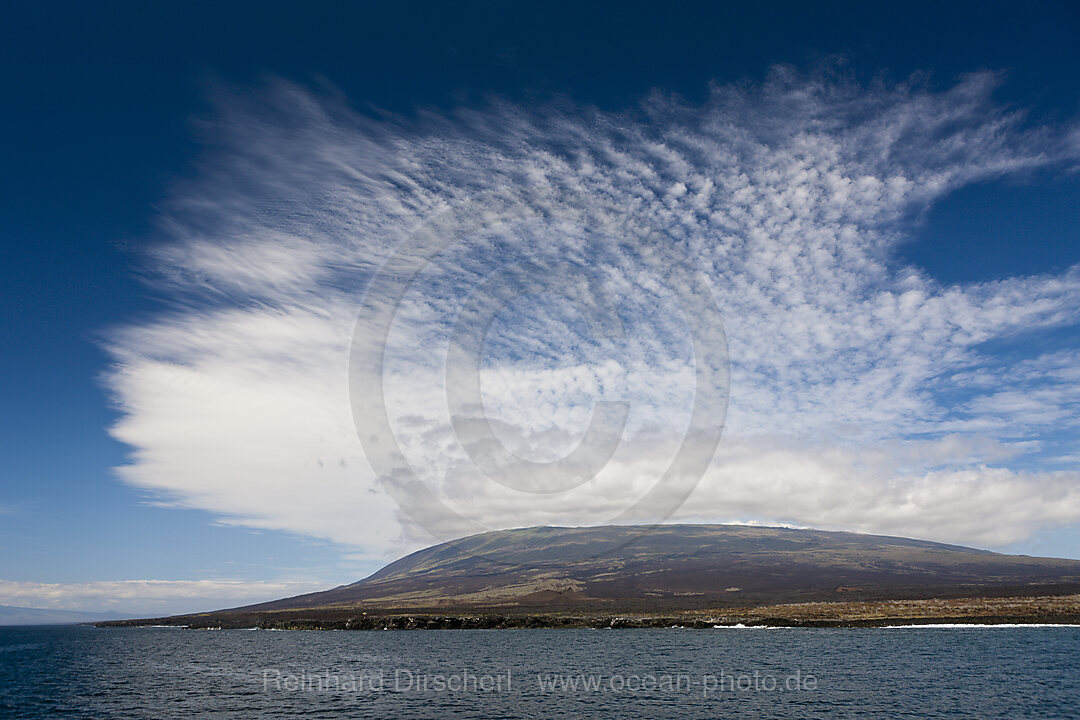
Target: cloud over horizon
x=861 y=393
x=147 y=597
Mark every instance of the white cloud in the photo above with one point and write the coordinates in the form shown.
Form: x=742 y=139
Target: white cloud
x=789 y=198
x=147 y=597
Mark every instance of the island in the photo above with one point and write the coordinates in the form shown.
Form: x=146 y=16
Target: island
x=691 y=576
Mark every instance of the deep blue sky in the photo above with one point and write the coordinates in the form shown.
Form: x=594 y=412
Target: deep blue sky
x=101 y=102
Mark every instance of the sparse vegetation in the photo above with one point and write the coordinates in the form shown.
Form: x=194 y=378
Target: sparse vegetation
x=696 y=575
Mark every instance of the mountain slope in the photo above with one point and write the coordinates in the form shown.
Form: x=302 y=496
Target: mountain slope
x=681 y=567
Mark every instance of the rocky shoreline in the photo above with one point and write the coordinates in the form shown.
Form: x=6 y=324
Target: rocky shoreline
x=975 y=611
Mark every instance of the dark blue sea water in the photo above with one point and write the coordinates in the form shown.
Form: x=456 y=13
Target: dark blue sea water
x=82 y=672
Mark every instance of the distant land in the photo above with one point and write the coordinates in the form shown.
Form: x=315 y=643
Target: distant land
x=46 y=616
x=691 y=575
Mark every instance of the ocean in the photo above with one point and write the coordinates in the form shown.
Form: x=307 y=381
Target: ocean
x=910 y=672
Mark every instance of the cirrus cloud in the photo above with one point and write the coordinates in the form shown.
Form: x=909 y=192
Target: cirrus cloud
x=861 y=393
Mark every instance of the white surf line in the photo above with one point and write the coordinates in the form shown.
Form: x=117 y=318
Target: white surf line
x=949 y=626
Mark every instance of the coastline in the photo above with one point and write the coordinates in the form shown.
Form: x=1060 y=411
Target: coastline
x=1017 y=611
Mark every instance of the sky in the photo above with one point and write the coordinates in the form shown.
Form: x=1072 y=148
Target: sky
x=291 y=291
